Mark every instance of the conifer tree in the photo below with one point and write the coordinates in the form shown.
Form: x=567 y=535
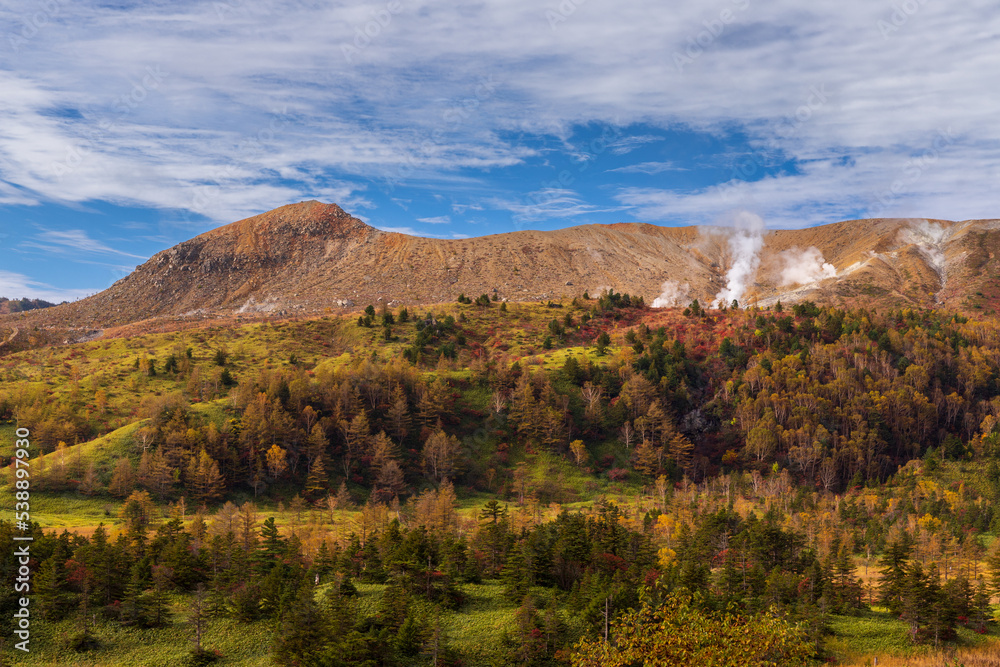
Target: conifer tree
x=527 y=639
x=317 y=444
x=982 y=610
x=914 y=601
x=303 y=631
x=317 y=480
x=204 y=479
x=436 y=643
x=51 y=587
x=157 y=611
x=892 y=585
x=198 y=617
x=357 y=433
x=398 y=416
x=516 y=575
x=495 y=532
x=133 y=608
x=646 y=458
x=680 y=450
x=122 y=479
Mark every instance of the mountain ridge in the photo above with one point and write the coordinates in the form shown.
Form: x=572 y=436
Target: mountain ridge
x=313 y=257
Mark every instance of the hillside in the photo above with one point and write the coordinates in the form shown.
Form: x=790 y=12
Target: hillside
x=499 y=472
x=310 y=257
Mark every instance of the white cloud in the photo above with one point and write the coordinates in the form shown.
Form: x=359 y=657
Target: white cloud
x=436 y=220
x=649 y=168
x=17 y=286
x=628 y=144
x=548 y=203
x=462 y=209
x=74 y=240
x=252 y=105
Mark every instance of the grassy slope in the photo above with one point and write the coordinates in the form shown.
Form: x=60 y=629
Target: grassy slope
x=247 y=645
x=476 y=631
x=75 y=373
x=859 y=638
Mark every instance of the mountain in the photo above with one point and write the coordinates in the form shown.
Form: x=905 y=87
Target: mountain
x=313 y=257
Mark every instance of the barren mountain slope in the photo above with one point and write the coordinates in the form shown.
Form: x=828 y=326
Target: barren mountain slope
x=309 y=257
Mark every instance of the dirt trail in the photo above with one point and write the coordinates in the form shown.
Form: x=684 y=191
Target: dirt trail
x=11 y=337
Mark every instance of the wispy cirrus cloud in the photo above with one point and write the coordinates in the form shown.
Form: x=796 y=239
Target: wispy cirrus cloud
x=73 y=241
x=548 y=204
x=226 y=110
x=649 y=168
x=628 y=144
x=436 y=220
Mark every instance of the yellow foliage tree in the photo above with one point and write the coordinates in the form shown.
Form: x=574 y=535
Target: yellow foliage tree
x=678 y=634
x=277 y=461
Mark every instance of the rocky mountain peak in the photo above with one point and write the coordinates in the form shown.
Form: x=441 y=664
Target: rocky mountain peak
x=309 y=217
x=312 y=257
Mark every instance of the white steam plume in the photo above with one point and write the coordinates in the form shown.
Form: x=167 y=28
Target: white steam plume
x=745 y=242
x=801 y=267
x=928 y=236
x=672 y=294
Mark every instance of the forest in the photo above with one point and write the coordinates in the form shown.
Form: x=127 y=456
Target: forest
x=21 y=305
x=482 y=482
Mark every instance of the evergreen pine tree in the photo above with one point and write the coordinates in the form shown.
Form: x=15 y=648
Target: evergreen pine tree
x=409 y=637
x=436 y=642
x=272 y=546
x=395 y=605
x=914 y=598
x=515 y=575
x=317 y=480
x=892 y=586
x=527 y=640
x=982 y=610
x=940 y=610
x=198 y=616
x=133 y=608
x=52 y=592
x=303 y=631
x=156 y=600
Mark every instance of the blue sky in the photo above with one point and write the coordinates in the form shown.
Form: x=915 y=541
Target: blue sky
x=127 y=127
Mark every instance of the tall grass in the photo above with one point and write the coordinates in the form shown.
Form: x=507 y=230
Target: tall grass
x=983 y=656
x=860 y=641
